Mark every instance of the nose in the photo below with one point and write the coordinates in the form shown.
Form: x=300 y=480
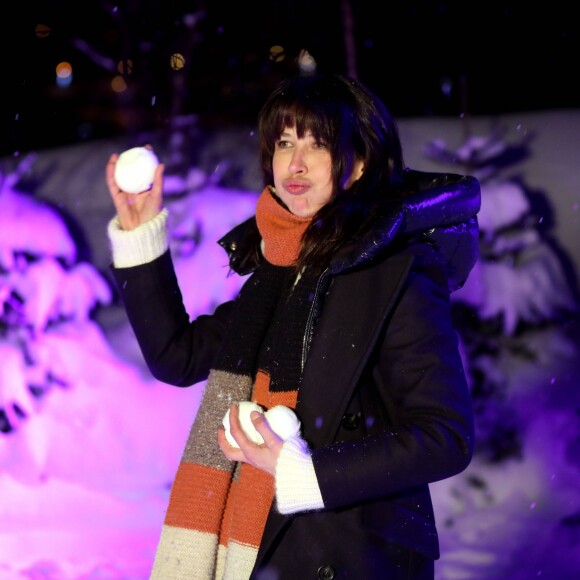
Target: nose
x=297 y=162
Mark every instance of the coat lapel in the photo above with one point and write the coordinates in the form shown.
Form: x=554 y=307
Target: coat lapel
x=352 y=319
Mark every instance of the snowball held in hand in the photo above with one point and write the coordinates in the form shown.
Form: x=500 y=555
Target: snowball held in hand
x=135 y=169
x=244 y=410
x=283 y=421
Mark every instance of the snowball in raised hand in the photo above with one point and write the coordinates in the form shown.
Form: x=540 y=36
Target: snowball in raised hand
x=135 y=169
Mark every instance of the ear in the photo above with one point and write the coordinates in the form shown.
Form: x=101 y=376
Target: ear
x=357 y=170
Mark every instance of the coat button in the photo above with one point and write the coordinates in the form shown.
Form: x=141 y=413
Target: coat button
x=326 y=572
x=351 y=421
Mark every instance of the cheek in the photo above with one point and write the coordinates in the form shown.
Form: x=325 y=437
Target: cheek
x=328 y=169
x=277 y=168
x=326 y=195
x=326 y=177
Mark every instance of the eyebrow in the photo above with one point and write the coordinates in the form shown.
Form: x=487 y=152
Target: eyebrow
x=307 y=134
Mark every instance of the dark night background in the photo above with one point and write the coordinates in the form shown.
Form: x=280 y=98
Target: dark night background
x=425 y=58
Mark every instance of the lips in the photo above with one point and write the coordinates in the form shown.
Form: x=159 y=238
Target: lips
x=296 y=187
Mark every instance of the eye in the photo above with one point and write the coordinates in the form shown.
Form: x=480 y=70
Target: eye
x=283 y=144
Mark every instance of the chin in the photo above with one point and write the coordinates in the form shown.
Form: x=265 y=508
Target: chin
x=301 y=210
x=303 y=214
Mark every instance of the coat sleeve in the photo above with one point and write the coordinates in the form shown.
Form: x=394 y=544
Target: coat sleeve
x=177 y=351
x=421 y=410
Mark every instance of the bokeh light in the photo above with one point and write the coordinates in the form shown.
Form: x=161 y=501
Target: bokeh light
x=277 y=53
x=42 y=30
x=118 y=84
x=306 y=62
x=64 y=74
x=125 y=66
x=177 y=61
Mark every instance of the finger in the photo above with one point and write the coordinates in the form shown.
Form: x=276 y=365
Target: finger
x=157 y=186
x=236 y=430
x=110 y=168
x=263 y=428
x=245 y=444
x=158 y=178
x=231 y=453
x=110 y=173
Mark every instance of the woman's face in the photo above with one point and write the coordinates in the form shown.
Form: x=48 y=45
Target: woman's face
x=302 y=170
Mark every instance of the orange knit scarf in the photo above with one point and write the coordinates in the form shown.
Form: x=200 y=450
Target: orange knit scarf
x=217 y=509
x=281 y=230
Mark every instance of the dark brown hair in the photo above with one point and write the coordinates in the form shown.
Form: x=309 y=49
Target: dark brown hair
x=355 y=124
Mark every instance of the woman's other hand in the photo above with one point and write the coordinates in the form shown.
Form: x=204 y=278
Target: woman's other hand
x=262 y=456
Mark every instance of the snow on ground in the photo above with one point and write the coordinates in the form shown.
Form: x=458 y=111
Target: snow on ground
x=84 y=481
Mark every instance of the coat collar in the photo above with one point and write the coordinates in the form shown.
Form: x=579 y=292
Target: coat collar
x=439 y=208
x=457 y=244
x=242 y=244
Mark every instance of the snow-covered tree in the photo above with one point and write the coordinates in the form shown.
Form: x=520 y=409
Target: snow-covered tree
x=513 y=318
x=90 y=441
x=511 y=313
x=47 y=297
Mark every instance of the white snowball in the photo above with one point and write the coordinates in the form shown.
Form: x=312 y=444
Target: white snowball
x=283 y=421
x=135 y=168
x=244 y=408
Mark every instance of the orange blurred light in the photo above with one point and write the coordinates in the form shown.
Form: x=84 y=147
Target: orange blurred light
x=277 y=53
x=63 y=70
x=118 y=84
x=42 y=30
x=125 y=66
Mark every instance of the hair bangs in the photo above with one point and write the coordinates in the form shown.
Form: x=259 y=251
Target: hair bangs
x=305 y=116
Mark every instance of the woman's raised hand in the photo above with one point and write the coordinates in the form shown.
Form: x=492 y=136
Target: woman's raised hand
x=135 y=209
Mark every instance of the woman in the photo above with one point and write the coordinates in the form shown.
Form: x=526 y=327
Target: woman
x=345 y=318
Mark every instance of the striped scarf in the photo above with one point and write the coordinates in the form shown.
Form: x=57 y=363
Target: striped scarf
x=217 y=509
